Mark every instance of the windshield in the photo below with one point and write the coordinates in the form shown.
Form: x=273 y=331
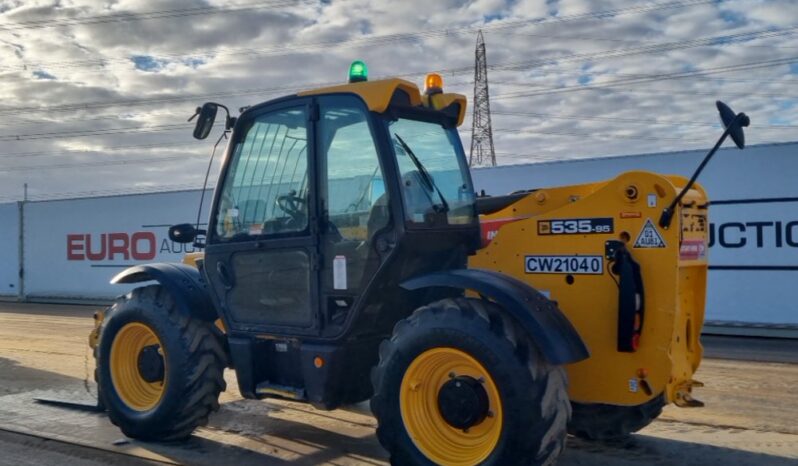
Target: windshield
x=435 y=178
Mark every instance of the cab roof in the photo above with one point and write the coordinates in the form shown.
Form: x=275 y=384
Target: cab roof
x=378 y=95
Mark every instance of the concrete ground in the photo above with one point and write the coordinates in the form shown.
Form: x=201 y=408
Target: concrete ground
x=751 y=395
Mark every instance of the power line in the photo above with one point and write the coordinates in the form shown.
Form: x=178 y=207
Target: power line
x=162 y=14
x=94 y=164
x=635 y=41
x=545 y=91
x=93 y=132
x=656 y=77
x=591 y=135
x=117 y=117
x=630 y=120
x=90 y=105
x=725 y=93
x=390 y=38
x=668 y=46
x=153 y=100
x=651 y=49
x=558 y=156
x=788 y=80
x=294 y=87
x=67 y=153
x=150 y=189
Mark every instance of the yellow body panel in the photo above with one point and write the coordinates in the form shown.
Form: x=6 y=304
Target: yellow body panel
x=674 y=288
x=191 y=258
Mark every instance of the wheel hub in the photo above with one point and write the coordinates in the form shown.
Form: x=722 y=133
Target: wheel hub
x=463 y=402
x=150 y=364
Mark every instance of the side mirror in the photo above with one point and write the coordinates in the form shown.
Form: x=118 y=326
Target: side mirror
x=182 y=233
x=733 y=126
x=727 y=117
x=207 y=115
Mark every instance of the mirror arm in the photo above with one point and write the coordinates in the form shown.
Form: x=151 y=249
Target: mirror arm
x=229 y=121
x=667 y=213
x=198 y=244
x=196 y=113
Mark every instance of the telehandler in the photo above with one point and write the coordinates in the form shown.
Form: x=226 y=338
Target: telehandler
x=344 y=261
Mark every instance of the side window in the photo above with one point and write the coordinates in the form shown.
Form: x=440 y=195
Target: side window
x=266 y=187
x=355 y=198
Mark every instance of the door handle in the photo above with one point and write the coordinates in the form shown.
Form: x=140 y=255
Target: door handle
x=224 y=275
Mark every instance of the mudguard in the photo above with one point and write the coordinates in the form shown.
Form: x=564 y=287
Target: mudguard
x=545 y=324
x=184 y=283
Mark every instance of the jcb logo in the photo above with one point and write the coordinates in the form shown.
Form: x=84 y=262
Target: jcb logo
x=139 y=246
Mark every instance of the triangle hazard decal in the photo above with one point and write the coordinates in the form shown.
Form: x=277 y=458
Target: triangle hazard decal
x=649 y=237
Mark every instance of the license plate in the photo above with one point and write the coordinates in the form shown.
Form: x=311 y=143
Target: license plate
x=575 y=265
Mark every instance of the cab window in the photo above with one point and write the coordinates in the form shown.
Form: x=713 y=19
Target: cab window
x=434 y=176
x=354 y=197
x=265 y=189
x=354 y=180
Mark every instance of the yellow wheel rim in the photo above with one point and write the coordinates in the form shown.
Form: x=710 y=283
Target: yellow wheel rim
x=418 y=403
x=132 y=388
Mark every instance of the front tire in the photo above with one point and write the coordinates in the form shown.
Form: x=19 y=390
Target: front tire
x=159 y=372
x=459 y=384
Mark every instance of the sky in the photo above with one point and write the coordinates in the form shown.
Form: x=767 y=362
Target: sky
x=94 y=95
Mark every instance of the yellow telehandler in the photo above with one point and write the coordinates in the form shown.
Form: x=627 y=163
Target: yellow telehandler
x=346 y=259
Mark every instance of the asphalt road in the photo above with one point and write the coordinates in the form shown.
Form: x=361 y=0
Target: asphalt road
x=751 y=349
x=751 y=395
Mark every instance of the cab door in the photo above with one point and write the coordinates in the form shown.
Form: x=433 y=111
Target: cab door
x=262 y=238
x=355 y=208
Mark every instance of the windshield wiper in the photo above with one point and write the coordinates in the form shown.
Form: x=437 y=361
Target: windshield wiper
x=424 y=173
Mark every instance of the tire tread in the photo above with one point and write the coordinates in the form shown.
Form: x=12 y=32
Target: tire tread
x=545 y=437
x=206 y=360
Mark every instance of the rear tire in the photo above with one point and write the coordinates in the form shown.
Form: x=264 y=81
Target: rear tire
x=192 y=361
x=594 y=421
x=526 y=426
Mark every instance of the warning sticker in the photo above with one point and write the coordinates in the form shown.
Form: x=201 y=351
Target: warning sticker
x=649 y=237
x=339 y=273
x=633 y=385
x=693 y=249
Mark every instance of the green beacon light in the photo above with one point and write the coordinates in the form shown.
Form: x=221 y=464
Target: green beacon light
x=358 y=72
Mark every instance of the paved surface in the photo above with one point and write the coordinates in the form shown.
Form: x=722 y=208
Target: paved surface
x=26 y=450
x=749 y=419
x=751 y=349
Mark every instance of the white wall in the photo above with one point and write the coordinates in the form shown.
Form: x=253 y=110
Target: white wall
x=761 y=173
x=754 y=271
x=73 y=247
x=9 y=252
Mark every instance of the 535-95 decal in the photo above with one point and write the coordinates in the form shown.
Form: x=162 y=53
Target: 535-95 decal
x=575 y=226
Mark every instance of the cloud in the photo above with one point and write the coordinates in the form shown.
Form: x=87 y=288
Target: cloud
x=43 y=75
x=78 y=55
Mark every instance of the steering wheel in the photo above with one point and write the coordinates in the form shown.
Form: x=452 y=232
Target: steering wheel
x=292 y=205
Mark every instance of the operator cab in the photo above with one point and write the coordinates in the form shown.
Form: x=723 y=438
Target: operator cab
x=322 y=189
